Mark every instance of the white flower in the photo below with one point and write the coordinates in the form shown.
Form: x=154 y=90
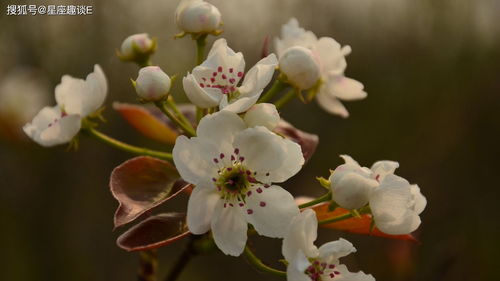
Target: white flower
x=137 y=43
x=197 y=16
x=262 y=114
x=233 y=168
x=331 y=56
x=300 y=67
x=307 y=262
x=76 y=99
x=152 y=83
x=396 y=205
x=215 y=81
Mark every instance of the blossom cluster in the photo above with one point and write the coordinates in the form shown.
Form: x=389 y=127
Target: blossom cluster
x=234 y=151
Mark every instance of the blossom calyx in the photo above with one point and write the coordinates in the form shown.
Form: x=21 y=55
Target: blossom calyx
x=152 y=84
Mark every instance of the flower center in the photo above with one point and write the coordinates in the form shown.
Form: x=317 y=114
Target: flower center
x=319 y=269
x=223 y=79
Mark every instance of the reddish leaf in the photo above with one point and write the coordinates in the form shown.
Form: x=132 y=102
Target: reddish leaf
x=154 y=232
x=308 y=142
x=353 y=225
x=147 y=122
x=142 y=183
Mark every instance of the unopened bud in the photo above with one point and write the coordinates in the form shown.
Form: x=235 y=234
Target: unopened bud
x=137 y=48
x=152 y=84
x=262 y=114
x=197 y=16
x=300 y=67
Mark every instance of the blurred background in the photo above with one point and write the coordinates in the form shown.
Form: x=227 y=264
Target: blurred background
x=432 y=73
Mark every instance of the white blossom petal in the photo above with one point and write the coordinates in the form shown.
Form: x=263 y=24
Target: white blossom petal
x=331 y=104
x=220 y=129
x=345 y=88
x=420 y=201
x=351 y=189
x=240 y=104
x=77 y=96
x=296 y=267
x=270 y=209
x=263 y=151
x=258 y=77
x=193 y=159
x=221 y=55
x=201 y=207
x=345 y=275
x=199 y=96
x=393 y=206
x=334 y=250
x=293 y=35
x=291 y=165
x=331 y=55
x=50 y=128
x=229 y=228
x=301 y=236
x=262 y=114
x=382 y=168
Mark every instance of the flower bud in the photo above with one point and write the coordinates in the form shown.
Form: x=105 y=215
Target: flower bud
x=137 y=48
x=300 y=67
x=351 y=186
x=197 y=16
x=262 y=114
x=152 y=84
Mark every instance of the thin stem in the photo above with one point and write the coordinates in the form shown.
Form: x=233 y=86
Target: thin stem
x=327 y=196
x=199 y=114
x=255 y=261
x=277 y=87
x=362 y=211
x=127 y=147
x=285 y=99
x=148 y=265
x=200 y=49
x=178 y=113
x=185 y=127
x=183 y=260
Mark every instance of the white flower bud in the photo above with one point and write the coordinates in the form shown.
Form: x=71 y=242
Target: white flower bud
x=262 y=114
x=197 y=16
x=152 y=84
x=137 y=44
x=300 y=67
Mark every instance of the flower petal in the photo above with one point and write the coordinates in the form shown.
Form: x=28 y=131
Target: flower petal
x=351 y=189
x=380 y=169
x=301 y=235
x=296 y=267
x=239 y=105
x=420 y=201
x=224 y=58
x=229 y=228
x=331 y=104
x=293 y=163
x=199 y=96
x=77 y=96
x=262 y=114
x=193 y=159
x=342 y=273
x=346 y=88
x=331 y=56
x=220 y=129
x=334 y=250
x=274 y=200
x=391 y=205
x=293 y=35
x=201 y=207
x=258 y=77
x=262 y=150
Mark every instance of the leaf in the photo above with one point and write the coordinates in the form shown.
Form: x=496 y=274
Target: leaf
x=360 y=225
x=147 y=122
x=142 y=183
x=308 y=142
x=154 y=232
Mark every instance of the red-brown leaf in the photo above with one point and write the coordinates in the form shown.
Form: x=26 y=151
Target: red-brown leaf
x=142 y=183
x=154 y=232
x=353 y=225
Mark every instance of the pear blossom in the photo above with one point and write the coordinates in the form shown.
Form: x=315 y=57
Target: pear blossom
x=396 y=205
x=233 y=168
x=262 y=114
x=307 y=262
x=332 y=64
x=152 y=84
x=197 y=16
x=137 y=44
x=215 y=81
x=300 y=67
x=76 y=99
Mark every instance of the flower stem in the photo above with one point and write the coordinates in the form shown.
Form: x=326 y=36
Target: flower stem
x=277 y=87
x=255 y=261
x=171 y=103
x=127 y=147
x=285 y=99
x=185 y=127
x=148 y=265
x=327 y=196
x=362 y=211
x=183 y=260
x=201 y=42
